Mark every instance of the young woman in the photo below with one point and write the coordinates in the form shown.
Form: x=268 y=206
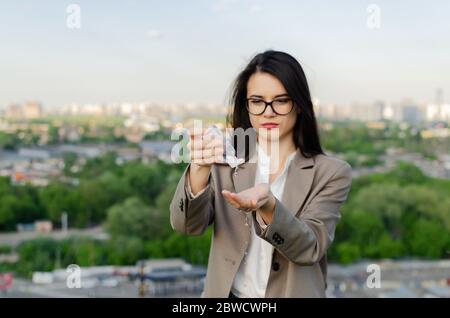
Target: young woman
x=273 y=219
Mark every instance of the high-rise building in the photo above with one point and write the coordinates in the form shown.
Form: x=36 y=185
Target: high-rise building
x=411 y=114
x=439 y=96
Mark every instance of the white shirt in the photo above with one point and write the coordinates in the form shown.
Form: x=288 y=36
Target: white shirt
x=254 y=270
x=253 y=273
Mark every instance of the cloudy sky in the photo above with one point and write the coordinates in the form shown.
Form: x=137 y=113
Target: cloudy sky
x=183 y=51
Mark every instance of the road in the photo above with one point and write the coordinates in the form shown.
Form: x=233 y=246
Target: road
x=15 y=238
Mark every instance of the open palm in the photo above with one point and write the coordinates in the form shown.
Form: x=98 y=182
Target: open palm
x=250 y=199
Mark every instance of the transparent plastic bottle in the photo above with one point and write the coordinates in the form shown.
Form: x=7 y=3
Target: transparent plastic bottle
x=229 y=155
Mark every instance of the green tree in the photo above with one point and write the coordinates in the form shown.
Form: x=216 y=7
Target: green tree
x=125 y=250
x=387 y=201
x=133 y=218
x=58 y=198
x=428 y=239
x=17 y=209
x=36 y=255
x=347 y=252
x=114 y=187
x=146 y=181
x=96 y=200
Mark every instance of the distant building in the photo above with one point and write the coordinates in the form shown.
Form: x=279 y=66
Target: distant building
x=156 y=148
x=14 y=111
x=437 y=112
x=32 y=109
x=411 y=114
x=148 y=278
x=435 y=133
x=170 y=276
x=366 y=112
x=43 y=226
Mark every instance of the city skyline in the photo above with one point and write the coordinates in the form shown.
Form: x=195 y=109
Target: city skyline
x=176 y=52
x=406 y=110
x=437 y=99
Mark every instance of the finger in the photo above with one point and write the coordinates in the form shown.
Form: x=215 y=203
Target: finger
x=208 y=142
x=213 y=143
x=233 y=203
x=207 y=161
x=210 y=156
x=214 y=159
x=197 y=154
x=244 y=203
x=229 y=198
x=198 y=161
x=212 y=152
x=197 y=143
x=201 y=135
x=206 y=153
x=227 y=195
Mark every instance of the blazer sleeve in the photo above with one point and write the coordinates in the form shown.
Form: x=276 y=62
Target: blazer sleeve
x=305 y=239
x=192 y=214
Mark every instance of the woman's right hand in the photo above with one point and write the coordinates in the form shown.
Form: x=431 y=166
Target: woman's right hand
x=205 y=149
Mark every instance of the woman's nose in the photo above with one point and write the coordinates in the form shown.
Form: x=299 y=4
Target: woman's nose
x=268 y=112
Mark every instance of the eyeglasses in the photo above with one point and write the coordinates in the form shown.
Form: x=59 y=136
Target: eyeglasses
x=280 y=106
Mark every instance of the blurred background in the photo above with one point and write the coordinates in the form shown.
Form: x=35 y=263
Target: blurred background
x=90 y=94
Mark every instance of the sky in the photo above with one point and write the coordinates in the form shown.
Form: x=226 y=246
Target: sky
x=191 y=51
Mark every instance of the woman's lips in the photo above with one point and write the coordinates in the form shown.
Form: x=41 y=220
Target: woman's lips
x=269 y=125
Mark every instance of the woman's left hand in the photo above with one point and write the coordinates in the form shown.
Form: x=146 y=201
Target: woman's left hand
x=257 y=198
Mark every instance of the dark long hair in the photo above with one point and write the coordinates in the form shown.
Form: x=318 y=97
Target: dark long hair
x=290 y=73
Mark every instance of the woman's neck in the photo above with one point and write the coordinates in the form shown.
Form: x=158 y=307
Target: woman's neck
x=281 y=148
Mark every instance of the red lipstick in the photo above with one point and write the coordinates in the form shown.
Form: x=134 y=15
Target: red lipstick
x=270 y=125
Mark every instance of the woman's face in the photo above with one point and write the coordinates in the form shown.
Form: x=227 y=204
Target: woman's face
x=264 y=86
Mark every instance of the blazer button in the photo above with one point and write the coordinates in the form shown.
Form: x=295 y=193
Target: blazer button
x=275 y=266
x=181 y=205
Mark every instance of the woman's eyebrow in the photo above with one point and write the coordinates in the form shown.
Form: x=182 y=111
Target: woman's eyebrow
x=280 y=95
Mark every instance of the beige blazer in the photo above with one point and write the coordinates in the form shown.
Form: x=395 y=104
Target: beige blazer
x=301 y=231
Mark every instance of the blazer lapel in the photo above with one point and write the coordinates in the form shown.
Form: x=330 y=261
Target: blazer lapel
x=298 y=182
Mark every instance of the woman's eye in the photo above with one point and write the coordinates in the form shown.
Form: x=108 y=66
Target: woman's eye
x=257 y=102
x=282 y=101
